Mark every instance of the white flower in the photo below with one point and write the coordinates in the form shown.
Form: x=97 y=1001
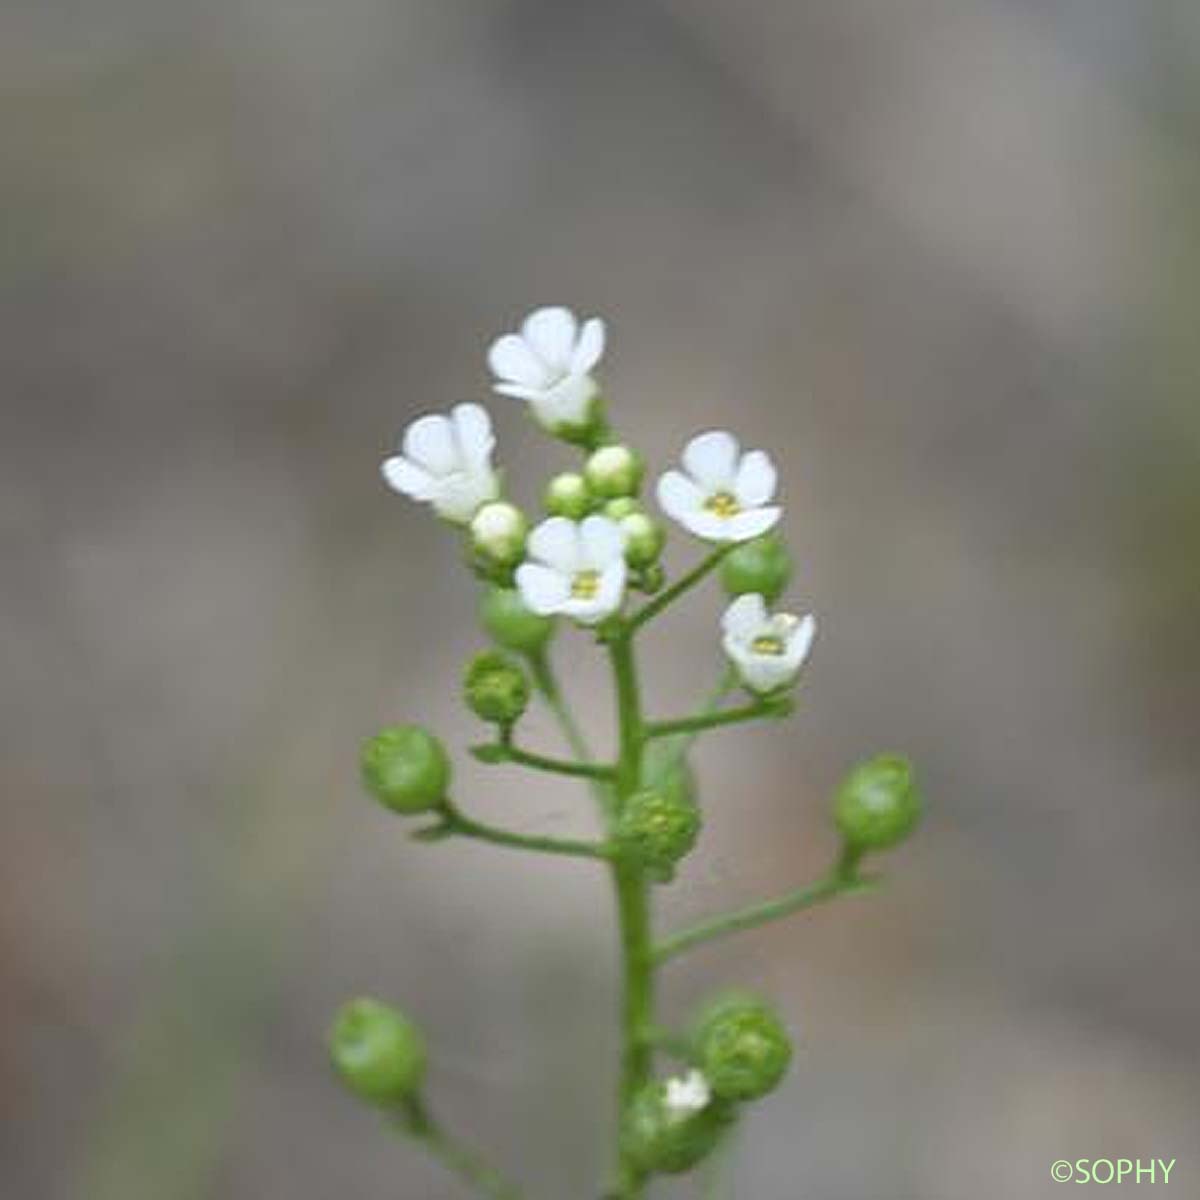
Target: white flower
x=447 y=462
x=687 y=1095
x=579 y=568
x=724 y=496
x=548 y=364
x=767 y=650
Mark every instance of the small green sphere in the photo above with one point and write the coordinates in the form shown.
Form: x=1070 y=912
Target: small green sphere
x=621 y=507
x=644 y=539
x=567 y=495
x=762 y=565
x=406 y=769
x=495 y=687
x=614 y=471
x=504 y=615
x=656 y=828
x=377 y=1051
x=878 y=804
x=658 y=1139
x=743 y=1048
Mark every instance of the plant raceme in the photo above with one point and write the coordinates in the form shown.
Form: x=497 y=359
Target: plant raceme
x=581 y=565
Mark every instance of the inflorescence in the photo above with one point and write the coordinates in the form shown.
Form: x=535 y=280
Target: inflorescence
x=595 y=547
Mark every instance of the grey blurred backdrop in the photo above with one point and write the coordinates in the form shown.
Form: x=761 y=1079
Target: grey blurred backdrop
x=939 y=256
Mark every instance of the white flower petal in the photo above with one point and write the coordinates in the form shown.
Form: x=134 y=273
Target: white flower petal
x=550 y=333
x=567 y=402
x=460 y=495
x=473 y=427
x=556 y=542
x=543 y=589
x=429 y=442
x=512 y=360
x=589 y=348
x=518 y=391
x=678 y=496
x=755 y=482
x=750 y=524
x=408 y=479
x=708 y=525
x=601 y=542
x=799 y=645
x=711 y=459
x=745 y=617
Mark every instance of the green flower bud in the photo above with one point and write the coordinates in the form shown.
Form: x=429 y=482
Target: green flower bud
x=742 y=1048
x=878 y=804
x=567 y=495
x=649 y=579
x=762 y=565
x=656 y=828
x=378 y=1052
x=406 y=769
x=621 y=507
x=614 y=471
x=496 y=688
x=662 y=1136
x=503 y=614
x=498 y=533
x=644 y=539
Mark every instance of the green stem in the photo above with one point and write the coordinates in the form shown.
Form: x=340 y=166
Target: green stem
x=837 y=883
x=633 y=913
x=454 y=822
x=653 y=607
x=506 y=752
x=678 y=750
x=546 y=683
x=712 y=720
x=463 y=1161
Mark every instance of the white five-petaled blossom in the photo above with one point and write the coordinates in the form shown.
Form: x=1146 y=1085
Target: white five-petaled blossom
x=721 y=495
x=576 y=568
x=766 y=649
x=447 y=462
x=687 y=1095
x=549 y=363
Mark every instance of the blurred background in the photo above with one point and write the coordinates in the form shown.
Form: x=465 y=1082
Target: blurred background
x=940 y=257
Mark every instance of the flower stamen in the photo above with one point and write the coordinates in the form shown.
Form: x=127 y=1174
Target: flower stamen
x=768 y=643
x=723 y=504
x=585 y=585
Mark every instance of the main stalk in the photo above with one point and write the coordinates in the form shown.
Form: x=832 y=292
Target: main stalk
x=633 y=909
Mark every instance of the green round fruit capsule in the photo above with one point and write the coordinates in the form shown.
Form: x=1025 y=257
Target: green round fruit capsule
x=406 y=769
x=495 y=687
x=614 y=471
x=658 y=1137
x=378 y=1052
x=656 y=828
x=878 y=804
x=567 y=495
x=762 y=565
x=505 y=617
x=742 y=1048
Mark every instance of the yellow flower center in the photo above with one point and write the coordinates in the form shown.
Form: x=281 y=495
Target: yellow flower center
x=767 y=643
x=723 y=504
x=585 y=585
